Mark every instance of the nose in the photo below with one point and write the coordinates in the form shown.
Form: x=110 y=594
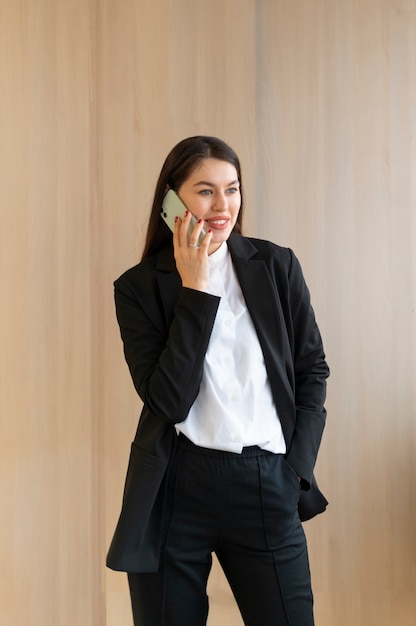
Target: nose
x=221 y=201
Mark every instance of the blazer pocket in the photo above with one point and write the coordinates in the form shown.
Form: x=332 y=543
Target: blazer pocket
x=144 y=476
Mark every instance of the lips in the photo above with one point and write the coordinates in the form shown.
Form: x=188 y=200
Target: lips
x=218 y=223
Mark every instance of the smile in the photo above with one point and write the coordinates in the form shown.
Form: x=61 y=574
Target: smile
x=213 y=222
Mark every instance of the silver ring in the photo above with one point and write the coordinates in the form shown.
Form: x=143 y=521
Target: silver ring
x=193 y=245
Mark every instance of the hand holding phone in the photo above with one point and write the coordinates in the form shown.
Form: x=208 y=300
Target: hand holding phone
x=173 y=206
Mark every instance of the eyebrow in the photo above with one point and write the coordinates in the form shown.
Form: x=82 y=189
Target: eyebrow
x=208 y=184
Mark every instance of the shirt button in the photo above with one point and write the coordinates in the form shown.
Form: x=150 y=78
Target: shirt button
x=228 y=323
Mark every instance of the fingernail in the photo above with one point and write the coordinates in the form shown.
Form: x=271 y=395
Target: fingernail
x=186 y=213
x=199 y=221
x=176 y=219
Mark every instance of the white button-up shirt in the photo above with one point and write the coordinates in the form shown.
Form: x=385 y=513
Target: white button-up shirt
x=234 y=407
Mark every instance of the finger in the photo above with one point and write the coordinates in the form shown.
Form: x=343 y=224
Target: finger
x=196 y=232
x=184 y=229
x=176 y=230
x=207 y=240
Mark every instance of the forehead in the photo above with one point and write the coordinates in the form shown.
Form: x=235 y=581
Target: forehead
x=215 y=171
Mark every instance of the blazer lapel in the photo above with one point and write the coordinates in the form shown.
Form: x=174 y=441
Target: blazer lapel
x=263 y=302
x=259 y=292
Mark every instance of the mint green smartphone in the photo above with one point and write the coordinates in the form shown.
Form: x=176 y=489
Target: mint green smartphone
x=173 y=206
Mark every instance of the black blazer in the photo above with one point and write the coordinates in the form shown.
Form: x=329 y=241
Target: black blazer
x=165 y=330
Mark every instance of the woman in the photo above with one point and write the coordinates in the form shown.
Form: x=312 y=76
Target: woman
x=223 y=348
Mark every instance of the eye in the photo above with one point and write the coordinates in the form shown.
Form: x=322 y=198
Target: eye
x=205 y=192
x=232 y=190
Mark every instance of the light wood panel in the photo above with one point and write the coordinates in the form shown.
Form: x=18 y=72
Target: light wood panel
x=49 y=513
x=319 y=100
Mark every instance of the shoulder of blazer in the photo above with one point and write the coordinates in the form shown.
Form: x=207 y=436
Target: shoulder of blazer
x=258 y=249
x=154 y=284
x=248 y=253
x=163 y=261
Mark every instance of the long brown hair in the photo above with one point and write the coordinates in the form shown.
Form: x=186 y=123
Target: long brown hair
x=178 y=166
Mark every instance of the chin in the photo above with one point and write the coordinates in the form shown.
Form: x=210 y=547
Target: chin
x=221 y=237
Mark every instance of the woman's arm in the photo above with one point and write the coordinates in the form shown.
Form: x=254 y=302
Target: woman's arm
x=311 y=372
x=165 y=358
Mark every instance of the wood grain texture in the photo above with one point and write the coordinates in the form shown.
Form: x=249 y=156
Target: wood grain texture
x=49 y=565
x=319 y=100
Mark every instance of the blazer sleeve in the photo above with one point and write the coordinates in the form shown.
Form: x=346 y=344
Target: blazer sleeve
x=311 y=372
x=164 y=351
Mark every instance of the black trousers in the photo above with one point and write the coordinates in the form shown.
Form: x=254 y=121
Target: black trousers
x=242 y=507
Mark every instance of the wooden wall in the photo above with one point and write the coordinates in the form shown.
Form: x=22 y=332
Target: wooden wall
x=318 y=97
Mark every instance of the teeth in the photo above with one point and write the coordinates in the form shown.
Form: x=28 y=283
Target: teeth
x=218 y=221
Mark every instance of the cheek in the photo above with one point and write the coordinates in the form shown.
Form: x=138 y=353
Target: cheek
x=236 y=211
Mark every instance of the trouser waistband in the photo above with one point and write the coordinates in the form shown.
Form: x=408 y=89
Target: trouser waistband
x=248 y=451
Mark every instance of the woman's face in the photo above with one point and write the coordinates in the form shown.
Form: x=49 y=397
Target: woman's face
x=212 y=193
